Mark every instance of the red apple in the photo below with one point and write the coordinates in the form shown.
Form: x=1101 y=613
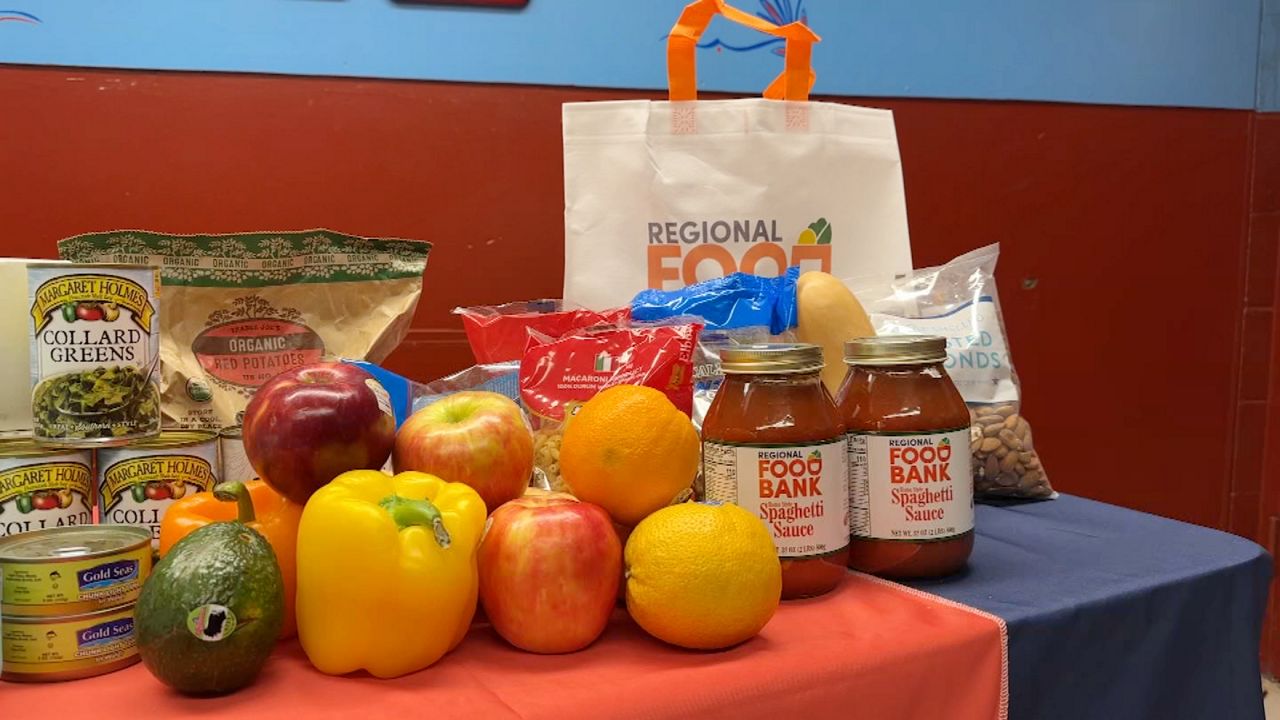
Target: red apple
x=550 y=566
x=308 y=425
x=476 y=438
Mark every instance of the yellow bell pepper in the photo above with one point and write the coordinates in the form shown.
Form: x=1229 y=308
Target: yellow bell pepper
x=387 y=576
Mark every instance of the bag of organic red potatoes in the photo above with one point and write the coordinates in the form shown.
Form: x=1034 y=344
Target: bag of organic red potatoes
x=236 y=310
x=959 y=301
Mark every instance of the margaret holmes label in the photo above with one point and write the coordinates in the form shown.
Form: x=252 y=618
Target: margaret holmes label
x=910 y=486
x=799 y=491
x=45 y=491
x=137 y=486
x=94 y=345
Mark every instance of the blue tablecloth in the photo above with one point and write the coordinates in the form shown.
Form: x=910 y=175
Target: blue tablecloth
x=1116 y=614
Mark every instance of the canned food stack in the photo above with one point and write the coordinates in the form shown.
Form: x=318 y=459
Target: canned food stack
x=93 y=452
x=68 y=598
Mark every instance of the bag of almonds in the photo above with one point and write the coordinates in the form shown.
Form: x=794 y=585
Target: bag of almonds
x=958 y=301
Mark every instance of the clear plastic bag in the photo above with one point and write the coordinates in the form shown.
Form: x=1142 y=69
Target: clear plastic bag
x=959 y=301
x=502 y=378
x=558 y=375
x=737 y=309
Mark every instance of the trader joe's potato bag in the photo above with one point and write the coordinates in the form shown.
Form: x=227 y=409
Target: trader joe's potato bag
x=241 y=308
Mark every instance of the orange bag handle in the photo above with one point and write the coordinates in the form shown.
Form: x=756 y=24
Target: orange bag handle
x=793 y=83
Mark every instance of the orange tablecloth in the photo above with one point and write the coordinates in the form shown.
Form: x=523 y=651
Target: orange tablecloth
x=871 y=649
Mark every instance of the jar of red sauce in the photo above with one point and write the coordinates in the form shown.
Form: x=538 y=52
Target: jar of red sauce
x=773 y=443
x=911 y=491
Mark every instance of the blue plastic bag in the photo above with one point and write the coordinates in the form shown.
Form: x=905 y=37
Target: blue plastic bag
x=734 y=301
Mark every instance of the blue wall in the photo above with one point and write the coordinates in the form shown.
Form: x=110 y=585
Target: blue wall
x=1141 y=52
x=1269 y=57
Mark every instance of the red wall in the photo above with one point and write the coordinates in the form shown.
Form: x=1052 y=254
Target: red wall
x=1258 y=425
x=1124 y=229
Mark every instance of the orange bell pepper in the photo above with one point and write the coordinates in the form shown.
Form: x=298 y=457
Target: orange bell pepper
x=274 y=516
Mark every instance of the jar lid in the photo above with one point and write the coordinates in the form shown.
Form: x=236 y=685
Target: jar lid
x=895 y=350
x=768 y=358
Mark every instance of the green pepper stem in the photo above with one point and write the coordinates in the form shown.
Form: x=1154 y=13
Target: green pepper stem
x=408 y=512
x=237 y=492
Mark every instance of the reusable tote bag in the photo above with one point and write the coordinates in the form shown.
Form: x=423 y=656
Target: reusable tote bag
x=663 y=194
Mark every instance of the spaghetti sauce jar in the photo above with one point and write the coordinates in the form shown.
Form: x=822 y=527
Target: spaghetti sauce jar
x=773 y=443
x=910 y=489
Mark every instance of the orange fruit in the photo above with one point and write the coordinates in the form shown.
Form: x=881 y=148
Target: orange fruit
x=630 y=451
x=702 y=576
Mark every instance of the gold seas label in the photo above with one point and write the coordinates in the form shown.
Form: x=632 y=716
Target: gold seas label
x=72 y=571
x=49 y=649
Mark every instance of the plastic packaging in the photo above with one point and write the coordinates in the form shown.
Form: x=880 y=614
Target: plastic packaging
x=559 y=374
x=499 y=333
x=959 y=301
x=238 y=309
x=408 y=396
x=735 y=301
x=738 y=309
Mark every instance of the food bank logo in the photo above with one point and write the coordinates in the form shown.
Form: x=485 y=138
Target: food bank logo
x=919 y=460
x=787 y=474
x=678 y=250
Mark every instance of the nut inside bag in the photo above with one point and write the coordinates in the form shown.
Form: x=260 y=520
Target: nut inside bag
x=959 y=301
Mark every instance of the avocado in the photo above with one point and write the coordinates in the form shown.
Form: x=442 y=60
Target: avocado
x=209 y=615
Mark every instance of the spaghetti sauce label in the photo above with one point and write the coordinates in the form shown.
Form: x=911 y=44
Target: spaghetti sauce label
x=799 y=491
x=910 y=486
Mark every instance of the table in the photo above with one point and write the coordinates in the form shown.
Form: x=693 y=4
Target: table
x=868 y=647
x=1109 y=613
x=1113 y=613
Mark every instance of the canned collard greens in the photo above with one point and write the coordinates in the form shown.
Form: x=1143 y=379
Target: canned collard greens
x=94 y=353
x=43 y=487
x=138 y=483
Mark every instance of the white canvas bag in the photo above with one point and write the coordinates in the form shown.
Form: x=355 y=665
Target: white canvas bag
x=663 y=194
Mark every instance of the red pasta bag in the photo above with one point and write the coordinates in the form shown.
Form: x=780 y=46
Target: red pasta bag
x=500 y=333
x=558 y=375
